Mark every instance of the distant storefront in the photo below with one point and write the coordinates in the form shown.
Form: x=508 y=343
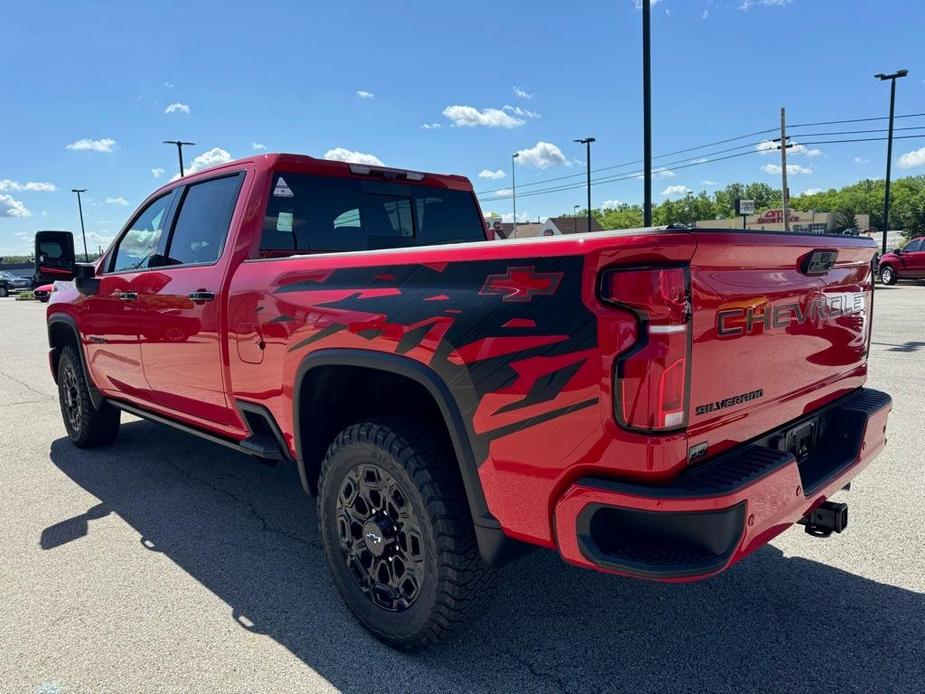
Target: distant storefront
x=773 y=220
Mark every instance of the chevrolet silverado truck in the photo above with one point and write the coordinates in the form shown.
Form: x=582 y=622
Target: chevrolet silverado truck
x=654 y=403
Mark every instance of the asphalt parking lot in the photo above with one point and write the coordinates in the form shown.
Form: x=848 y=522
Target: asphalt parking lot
x=164 y=563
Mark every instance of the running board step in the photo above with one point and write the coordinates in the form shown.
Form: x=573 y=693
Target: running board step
x=264 y=447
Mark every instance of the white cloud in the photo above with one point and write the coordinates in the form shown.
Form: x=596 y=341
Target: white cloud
x=343 y=154
x=657 y=173
x=676 y=191
x=492 y=175
x=431 y=126
x=522 y=93
x=363 y=94
x=638 y=3
x=748 y=4
x=541 y=156
x=912 y=159
x=119 y=202
x=861 y=160
x=157 y=173
x=169 y=85
x=86 y=145
x=257 y=145
x=709 y=183
x=31 y=186
x=503 y=193
x=469 y=116
x=705 y=14
x=522 y=112
x=177 y=107
x=766 y=146
x=792 y=169
x=612 y=204
x=813 y=153
x=213 y=157
x=811 y=191
x=10 y=207
x=508 y=217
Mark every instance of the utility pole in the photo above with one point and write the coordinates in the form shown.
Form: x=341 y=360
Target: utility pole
x=646 y=115
x=785 y=196
x=587 y=142
x=80 y=208
x=514 y=192
x=179 y=144
x=889 y=148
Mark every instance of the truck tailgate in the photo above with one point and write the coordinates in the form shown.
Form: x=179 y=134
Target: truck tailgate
x=780 y=327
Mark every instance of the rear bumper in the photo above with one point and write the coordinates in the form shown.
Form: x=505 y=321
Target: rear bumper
x=718 y=512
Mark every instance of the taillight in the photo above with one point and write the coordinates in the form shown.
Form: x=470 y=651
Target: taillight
x=652 y=377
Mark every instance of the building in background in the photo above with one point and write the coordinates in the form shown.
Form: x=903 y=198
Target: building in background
x=773 y=220
x=553 y=226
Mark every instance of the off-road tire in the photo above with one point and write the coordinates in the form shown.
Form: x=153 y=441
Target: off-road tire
x=87 y=426
x=455 y=581
x=887 y=275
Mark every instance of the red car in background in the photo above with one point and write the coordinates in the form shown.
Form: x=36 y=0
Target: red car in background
x=43 y=292
x=904 y=263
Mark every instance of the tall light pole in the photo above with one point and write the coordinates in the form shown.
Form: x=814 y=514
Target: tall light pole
x=80 y=208
x=889 y=148
x=514 y=191
x=587 y=142
x=179 y=144
x=646 y=115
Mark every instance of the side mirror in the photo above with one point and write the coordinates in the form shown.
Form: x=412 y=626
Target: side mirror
x=54 y=256
x=898 y=251
x=85 y=278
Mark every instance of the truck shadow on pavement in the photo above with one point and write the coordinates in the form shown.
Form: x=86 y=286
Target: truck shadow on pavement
x=249 y=535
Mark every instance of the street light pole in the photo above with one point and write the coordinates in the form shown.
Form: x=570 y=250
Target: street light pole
x=646 y=116
x=889 y=148
x=514 y=192
x=587 y=142
x=179 y=144
x=80 y=209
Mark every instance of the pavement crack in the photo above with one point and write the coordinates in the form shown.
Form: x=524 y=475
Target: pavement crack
x=26 y=386
x=560 y=684
x=265 y=526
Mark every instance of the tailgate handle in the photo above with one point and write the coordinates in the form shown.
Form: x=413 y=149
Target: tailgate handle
x=819 y=261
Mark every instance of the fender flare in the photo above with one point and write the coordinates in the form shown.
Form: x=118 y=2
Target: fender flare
x=96 y=398
x=493 y=544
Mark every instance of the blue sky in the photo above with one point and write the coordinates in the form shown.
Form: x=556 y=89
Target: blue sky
x=88 y=89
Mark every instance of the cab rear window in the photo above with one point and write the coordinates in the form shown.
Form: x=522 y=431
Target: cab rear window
x=319 y=214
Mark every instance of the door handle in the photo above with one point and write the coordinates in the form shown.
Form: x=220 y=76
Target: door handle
x=128 y=296
x=202 y=295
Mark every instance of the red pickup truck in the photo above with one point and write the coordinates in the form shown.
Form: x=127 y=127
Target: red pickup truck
x=656 y=403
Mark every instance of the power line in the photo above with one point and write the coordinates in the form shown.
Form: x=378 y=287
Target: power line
x=712 y=144
x=855 y=120
x=855 y=132
x=681 y=165
x=636 y=161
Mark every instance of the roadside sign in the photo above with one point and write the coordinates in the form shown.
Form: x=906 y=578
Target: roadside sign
x=744 y=207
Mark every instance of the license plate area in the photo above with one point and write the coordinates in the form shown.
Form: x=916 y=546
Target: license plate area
x=800 y=440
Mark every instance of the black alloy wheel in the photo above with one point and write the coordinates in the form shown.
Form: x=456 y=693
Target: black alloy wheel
x=380 y=537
